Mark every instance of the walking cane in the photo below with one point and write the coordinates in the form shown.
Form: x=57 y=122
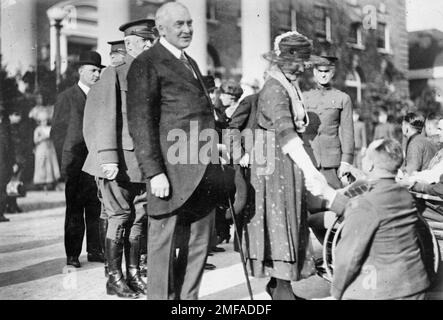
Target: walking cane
x=231 y=207
x=240 y=248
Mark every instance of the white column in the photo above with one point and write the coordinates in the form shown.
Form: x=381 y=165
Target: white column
x=18 y=35
x=256 y=37
x=111 y=15
x=198 y=49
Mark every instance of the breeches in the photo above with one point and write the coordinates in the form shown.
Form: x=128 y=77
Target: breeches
x=125 y=206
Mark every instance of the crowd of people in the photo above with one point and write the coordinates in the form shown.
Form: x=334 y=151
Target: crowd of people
x=164 y=201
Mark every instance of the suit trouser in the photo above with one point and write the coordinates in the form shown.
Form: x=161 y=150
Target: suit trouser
x=125 y=207
x=3 y=197
x=82 y=205
x=189 y=229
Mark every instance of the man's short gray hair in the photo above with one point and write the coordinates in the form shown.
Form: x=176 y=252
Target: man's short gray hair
x=163 y=12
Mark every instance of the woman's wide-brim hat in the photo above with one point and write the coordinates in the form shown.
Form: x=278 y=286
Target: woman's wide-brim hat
x=292 y=47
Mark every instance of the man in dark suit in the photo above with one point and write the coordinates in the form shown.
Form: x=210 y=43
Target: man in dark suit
x=112 y=160
x=329 y=138
x=81 y=190
x=167 y=97
x=6 y=160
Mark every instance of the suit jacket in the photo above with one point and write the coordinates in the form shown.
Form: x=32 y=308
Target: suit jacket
x=379 y=256
x=360 y=135
x=244 y=117
x=164 y=101
x=67 y=130
x=329 y=138
x=419 y=153
x=6 y=154
x=105 y=126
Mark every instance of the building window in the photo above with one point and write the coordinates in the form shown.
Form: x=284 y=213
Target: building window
x=211 y=11
x=383 y=43
x=355 y=38
x=287 y=16
x=322 y=23
x=355 y=81
x=354 y=87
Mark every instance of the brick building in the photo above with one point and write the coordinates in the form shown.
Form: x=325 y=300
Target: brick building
x=369 y=36
x=426 y=73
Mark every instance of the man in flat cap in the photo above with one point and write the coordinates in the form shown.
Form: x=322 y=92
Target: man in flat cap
x=81 y=190
x=329 y=138
x=112 y=160
x=118 y=52
x=167 y=95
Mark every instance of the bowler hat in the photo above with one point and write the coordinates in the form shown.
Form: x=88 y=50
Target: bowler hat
x=144 y=28
x=90 y=58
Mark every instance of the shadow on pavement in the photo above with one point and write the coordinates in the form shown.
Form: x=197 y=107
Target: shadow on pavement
x=40 y=271
x=29 y=245
x=28 y=207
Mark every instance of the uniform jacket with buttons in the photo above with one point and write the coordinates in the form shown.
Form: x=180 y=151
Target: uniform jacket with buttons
x=329 y=138
x=105 y=126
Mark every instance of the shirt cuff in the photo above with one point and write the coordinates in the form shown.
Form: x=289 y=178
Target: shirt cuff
x=108 y=156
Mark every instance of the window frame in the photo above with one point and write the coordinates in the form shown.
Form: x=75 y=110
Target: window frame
x=324 y=35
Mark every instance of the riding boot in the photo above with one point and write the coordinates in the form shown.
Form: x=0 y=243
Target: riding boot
x=132 y=257
x=116 y=284
x=103 y=229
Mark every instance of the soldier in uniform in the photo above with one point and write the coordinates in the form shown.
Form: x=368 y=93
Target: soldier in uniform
x=329 y=138
x=112 y=160
x=118 y=52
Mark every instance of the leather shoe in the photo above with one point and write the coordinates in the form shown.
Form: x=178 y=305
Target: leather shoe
x=73 y=261
x=210 y=266
x=96 y=257
x=217 y=249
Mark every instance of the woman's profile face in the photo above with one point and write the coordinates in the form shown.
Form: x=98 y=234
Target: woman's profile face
x=292 y=70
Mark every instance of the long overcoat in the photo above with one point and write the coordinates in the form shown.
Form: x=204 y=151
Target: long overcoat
x=105 y=126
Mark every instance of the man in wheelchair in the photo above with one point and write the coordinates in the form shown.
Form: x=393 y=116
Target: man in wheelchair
x=379 y=255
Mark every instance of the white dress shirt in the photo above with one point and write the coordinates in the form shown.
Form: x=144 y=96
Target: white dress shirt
x=175 y=51
x=84 y=87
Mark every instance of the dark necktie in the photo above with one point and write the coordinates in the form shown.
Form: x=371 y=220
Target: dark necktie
x=186 y=63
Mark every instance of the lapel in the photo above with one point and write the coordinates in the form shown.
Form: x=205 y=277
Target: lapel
x=80 y=95
x=176 y=66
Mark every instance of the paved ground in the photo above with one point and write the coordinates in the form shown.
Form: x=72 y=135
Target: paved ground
x=32 y=263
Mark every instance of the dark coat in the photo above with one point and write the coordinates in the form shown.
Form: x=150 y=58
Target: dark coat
x=105 y=126
x=419 y=153
x=67 y=130
x=379 y=255
x=6 y=154
x=329 y=138
x=164 y=98
x=244 y=117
